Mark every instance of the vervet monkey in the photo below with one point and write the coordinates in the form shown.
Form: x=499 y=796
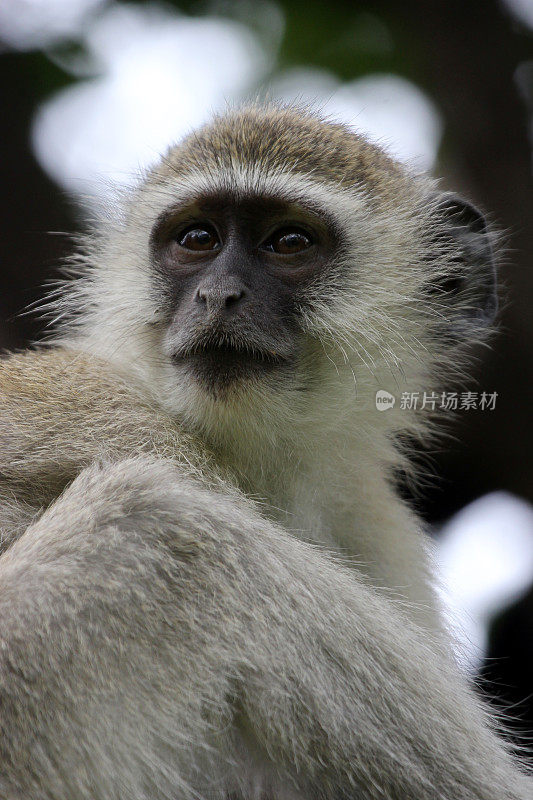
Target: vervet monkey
x=209 y=586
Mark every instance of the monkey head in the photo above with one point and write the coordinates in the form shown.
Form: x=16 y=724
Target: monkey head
x=280 y=262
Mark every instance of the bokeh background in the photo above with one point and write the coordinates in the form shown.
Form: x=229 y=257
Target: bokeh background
x=94 y=90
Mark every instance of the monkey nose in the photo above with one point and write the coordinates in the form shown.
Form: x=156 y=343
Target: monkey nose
x=221 y=296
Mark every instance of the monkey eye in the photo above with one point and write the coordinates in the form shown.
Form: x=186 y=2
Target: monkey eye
x=288 y=241
x=199 y=238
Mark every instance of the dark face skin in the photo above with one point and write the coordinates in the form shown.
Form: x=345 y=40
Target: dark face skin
x=234 y=274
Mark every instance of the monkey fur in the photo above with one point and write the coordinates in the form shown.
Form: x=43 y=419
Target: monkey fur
x=210 y=586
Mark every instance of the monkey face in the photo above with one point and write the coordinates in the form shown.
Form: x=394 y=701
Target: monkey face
x=234 y=272
x=274 y=264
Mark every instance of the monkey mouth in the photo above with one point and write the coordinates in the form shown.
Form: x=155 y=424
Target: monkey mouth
x=218 y=365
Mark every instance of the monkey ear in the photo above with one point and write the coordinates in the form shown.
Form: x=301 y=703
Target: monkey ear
x=472 y=288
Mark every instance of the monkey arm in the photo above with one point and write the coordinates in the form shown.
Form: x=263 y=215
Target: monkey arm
x=60 y=410
x=150 y=627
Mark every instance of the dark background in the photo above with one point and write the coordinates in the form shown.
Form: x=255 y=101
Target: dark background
x=475 y=60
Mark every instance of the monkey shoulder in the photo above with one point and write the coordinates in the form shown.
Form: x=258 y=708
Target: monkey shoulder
x=61 y=410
